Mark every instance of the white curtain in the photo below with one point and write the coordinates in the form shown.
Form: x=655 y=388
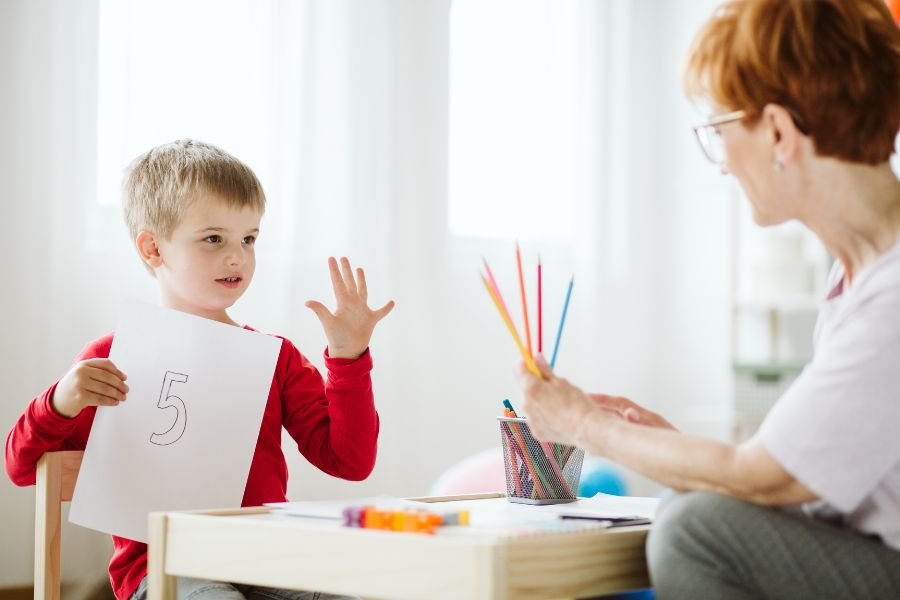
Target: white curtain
x=342 y=108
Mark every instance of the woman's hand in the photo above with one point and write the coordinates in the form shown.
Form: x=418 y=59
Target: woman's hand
x=630 y=411
x=350 y=327
x=556 y=409
x=92 y=382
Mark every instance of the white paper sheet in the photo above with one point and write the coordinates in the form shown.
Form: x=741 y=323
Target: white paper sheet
x=185 y=436
x=606 y=505
x=500 y=511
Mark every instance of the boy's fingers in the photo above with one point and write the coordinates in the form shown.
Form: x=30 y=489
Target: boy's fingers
x=106 y=365
x=101 y=400
x=100 y=390
x=337 y=281
x=110 y=379
x=384 y=310
x=320 y=309
x=347 y=272
x=361 y=285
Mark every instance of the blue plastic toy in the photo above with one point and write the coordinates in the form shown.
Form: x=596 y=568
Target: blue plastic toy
x=601 y=476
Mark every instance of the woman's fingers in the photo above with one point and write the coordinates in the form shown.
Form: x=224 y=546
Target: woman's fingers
x=614 y=403
x=632 y=415
x=543 y=367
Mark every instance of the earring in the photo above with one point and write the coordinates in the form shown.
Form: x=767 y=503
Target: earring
x=777 y=165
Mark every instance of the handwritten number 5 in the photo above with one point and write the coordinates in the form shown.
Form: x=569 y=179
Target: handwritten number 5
x=169 y=400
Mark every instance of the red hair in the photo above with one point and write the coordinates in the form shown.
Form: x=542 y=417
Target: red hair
x=834 y=64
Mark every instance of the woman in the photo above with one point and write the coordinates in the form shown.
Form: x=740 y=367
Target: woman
x=806 y=98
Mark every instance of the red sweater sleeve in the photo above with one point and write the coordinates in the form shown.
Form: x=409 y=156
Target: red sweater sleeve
x=334 y=422
x=41 y=429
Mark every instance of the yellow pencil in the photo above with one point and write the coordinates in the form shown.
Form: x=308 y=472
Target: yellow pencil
x=529 y=362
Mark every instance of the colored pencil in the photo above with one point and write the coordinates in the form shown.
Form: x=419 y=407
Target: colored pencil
x=540 y=310
x=562 y=321
x=551 y=459
x=524 y=302
x=508 y=448
x=493 y=281
x=526 y=356
x=509 y=407
x=536 y=476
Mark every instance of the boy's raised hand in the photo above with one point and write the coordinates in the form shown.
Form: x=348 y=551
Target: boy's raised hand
x=350 y=327
x=92 y=382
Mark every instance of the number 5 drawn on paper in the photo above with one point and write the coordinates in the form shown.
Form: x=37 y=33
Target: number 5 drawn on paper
x=169 y=400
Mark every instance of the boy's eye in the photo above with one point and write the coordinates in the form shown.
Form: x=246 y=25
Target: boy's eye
x=249 y=240
x=213 y=239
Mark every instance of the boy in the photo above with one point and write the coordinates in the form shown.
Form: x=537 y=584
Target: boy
x=194 y=212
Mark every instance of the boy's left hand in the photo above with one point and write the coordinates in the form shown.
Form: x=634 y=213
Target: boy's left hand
x=350 y=327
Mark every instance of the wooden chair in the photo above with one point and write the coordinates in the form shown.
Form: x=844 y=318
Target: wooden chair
x=56 y=475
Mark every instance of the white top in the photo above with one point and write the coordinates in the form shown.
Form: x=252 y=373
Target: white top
x=837 y=429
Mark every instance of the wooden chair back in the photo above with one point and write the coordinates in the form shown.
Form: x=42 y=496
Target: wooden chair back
x=56 y=475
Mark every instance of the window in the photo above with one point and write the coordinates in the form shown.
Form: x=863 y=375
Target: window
x=170 y=69
x=512 y=118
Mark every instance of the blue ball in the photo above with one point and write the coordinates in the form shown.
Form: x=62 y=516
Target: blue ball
x=601 y=477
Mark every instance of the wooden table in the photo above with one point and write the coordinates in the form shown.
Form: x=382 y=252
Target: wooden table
x=253 y=545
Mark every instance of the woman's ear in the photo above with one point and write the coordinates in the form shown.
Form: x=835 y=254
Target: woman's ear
x=148 y=248
x=784 y=133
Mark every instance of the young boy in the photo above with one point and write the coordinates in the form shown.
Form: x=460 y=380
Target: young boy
x=194 y=214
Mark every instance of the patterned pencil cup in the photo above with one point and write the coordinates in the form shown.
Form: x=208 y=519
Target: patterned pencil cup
x=538 y=472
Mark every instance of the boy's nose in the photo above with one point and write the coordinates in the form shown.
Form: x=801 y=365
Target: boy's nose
x=235 y=258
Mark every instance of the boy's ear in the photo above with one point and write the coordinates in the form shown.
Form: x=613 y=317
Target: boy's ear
x=148 y=248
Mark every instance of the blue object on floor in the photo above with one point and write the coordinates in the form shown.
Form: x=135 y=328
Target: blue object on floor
x=635 y=595
x=601 y=476
x=647 y=594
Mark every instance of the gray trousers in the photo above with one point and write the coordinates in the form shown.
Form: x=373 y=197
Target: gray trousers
x=202 y=589
x=705 y=545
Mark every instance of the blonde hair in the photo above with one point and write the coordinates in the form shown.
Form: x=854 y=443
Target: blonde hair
x=833 y=64
x=161 y=183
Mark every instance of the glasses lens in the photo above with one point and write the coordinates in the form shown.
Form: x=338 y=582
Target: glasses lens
x=711 y=142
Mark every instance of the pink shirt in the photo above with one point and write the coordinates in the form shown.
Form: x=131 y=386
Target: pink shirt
x=837 y=429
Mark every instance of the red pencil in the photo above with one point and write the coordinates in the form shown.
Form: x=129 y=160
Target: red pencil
x=540 y=312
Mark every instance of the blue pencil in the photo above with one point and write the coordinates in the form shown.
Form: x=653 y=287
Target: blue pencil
x=562 y=321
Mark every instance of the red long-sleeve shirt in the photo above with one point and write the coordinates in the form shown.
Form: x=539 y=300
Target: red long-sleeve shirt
x=334 y=423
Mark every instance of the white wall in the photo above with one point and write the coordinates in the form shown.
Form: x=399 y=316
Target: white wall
x=46 y=141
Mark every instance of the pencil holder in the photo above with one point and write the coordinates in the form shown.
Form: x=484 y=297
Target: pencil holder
x=538 y=472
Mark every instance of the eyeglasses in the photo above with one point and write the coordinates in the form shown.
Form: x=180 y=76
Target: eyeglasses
x=710 y=138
